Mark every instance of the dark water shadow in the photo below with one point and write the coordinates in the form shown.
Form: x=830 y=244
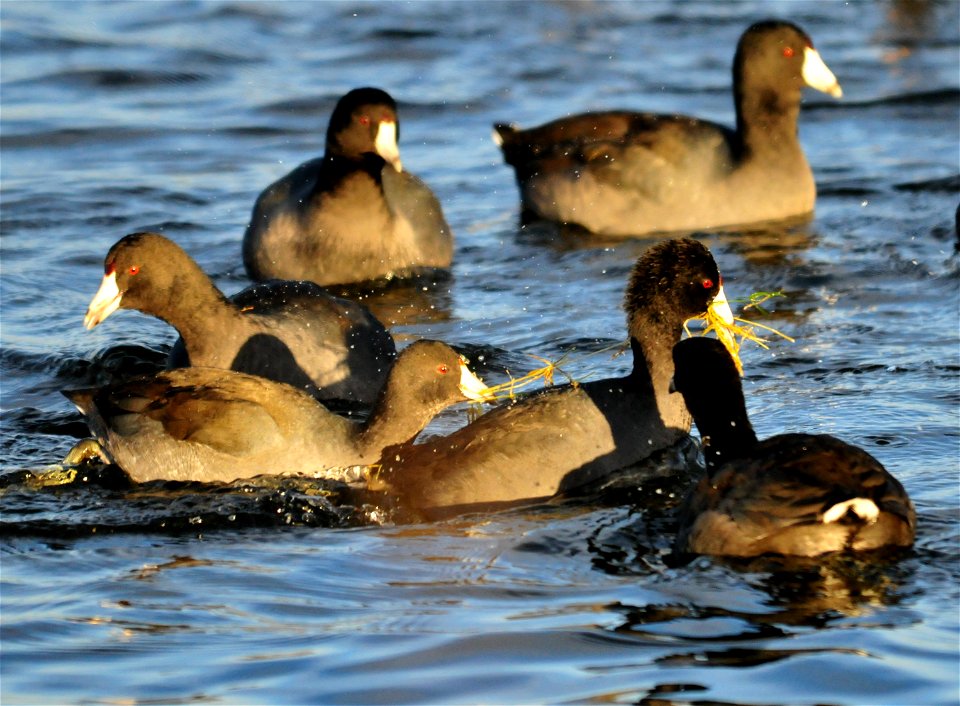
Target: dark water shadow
x=95 y=498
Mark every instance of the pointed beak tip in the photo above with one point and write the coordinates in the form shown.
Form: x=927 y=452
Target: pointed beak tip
x=105 y=302
x=94 y=317
x=478 y=395
x=818 y=75
x=385 y=144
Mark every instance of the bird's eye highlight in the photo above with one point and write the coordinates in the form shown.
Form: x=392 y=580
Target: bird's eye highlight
x=364 y=119
x=707 y=283
x=443 y=369
x=788 y=52
x=134 y=269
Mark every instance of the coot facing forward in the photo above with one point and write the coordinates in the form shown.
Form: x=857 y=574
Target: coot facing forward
x=352 y=215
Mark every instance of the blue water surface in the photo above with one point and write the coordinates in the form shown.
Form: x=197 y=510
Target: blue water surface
x=172 y=116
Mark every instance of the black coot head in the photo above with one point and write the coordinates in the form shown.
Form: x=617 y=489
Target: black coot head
x=363 y=121
x=774 y=55
x=429 y=375
x=139 y=269
x=673 y=281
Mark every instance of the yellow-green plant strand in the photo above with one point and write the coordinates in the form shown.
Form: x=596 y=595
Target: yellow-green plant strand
x=727 y=334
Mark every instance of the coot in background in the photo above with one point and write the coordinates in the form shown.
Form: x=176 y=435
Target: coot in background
x=293 y=332
x=629 y=173
x=352 y=215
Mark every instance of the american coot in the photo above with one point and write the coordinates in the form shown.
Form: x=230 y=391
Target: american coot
x=795 y=494
x=626 y=173
x=353 y=214
x=210 y=425
x=571 y=435
x=294 y=332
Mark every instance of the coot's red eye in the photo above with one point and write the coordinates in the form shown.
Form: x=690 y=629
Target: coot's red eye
x=788 y=52
x=134 y=269
x=364 y=120
x=443 y=369
x=707 y=283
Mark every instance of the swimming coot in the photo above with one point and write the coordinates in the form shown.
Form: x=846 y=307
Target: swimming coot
x=352 y=215
x=570 y=435
x=628 y=173
x=793 y=494
x=210 y=425
x=294 y=332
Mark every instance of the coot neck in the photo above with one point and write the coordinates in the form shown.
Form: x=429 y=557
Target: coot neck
x=396 y=418
x=652 y=337
x=193 y=305
x=767 y=120
x=725 y=429
x=338 y=166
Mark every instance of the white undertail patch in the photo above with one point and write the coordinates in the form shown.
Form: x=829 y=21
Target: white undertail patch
x=864 y=508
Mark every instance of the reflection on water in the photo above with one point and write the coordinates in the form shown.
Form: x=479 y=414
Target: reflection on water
x=782 y=245
x=911 y=21
x=814 y=593
x=174 y=116
x=178 y=562
x=401 y=303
